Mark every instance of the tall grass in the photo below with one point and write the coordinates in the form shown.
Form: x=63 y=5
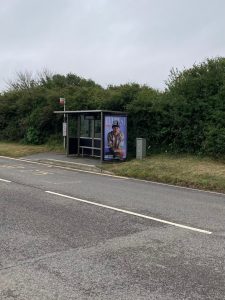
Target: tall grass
x=20 y=150
x=183 y=170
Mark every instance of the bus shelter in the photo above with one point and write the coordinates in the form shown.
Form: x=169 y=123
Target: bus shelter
x=96 y=133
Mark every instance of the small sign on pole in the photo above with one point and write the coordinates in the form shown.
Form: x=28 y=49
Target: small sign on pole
x=62 y=101
x=64 y=128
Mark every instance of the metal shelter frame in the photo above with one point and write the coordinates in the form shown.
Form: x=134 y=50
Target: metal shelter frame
x=85 y=131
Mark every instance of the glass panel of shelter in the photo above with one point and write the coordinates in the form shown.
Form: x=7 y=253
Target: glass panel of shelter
x=90 y=136
x=72 y=139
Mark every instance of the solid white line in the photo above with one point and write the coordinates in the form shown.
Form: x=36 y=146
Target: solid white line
x=4 y=180
x=115 y=176
x=72 y=163
x=132 y=213
x=67 y=168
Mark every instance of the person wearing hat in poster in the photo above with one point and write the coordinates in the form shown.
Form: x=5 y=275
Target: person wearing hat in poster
x=115 y=140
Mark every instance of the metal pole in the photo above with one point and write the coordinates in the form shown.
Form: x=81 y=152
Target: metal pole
x=64 y=120
x=102 y=136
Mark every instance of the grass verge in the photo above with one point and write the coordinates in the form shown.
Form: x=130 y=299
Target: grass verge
x=20 y=150
x=184 y=170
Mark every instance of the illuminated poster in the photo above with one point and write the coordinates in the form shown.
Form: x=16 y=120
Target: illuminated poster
x=115 y=137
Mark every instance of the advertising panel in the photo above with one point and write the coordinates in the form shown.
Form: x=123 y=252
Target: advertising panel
x=115 y=137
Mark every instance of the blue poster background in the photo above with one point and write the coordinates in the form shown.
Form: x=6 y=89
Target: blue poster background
x=108 y=122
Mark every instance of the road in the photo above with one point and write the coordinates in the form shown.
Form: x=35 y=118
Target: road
x=76 y=235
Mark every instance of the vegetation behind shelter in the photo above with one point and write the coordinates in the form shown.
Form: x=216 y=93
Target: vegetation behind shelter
x=187 y=117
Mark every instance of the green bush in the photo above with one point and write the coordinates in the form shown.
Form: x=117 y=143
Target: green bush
x=33 y=136
x=189 y=116
x=215 y=141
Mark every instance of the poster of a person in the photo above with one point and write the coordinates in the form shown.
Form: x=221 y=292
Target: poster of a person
x=115 y=138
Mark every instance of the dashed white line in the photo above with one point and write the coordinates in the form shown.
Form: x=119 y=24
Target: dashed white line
x=132 y=213
x=4 y=180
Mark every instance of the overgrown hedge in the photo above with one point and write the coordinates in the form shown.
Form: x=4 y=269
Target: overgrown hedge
x=188 y=117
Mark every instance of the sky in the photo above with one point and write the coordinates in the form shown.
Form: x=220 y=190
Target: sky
x=112 y=42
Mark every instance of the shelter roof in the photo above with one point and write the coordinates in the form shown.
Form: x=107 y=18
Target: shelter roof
x=88 y=112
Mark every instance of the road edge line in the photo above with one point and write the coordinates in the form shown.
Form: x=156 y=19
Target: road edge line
x=116 y=176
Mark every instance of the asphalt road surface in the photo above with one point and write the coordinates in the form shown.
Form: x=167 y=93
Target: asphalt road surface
x=75 y=235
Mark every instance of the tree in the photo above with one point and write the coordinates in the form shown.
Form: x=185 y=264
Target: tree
x=197 y=97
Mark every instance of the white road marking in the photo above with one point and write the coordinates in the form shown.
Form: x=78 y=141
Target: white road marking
x=114 y=176
x=39 y=172
x=67 y=168
x=4 y=180
x=132 y=213
x=12 y=166
x=73 y=163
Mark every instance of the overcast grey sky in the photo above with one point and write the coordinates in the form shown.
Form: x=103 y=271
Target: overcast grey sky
x=109 y=41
